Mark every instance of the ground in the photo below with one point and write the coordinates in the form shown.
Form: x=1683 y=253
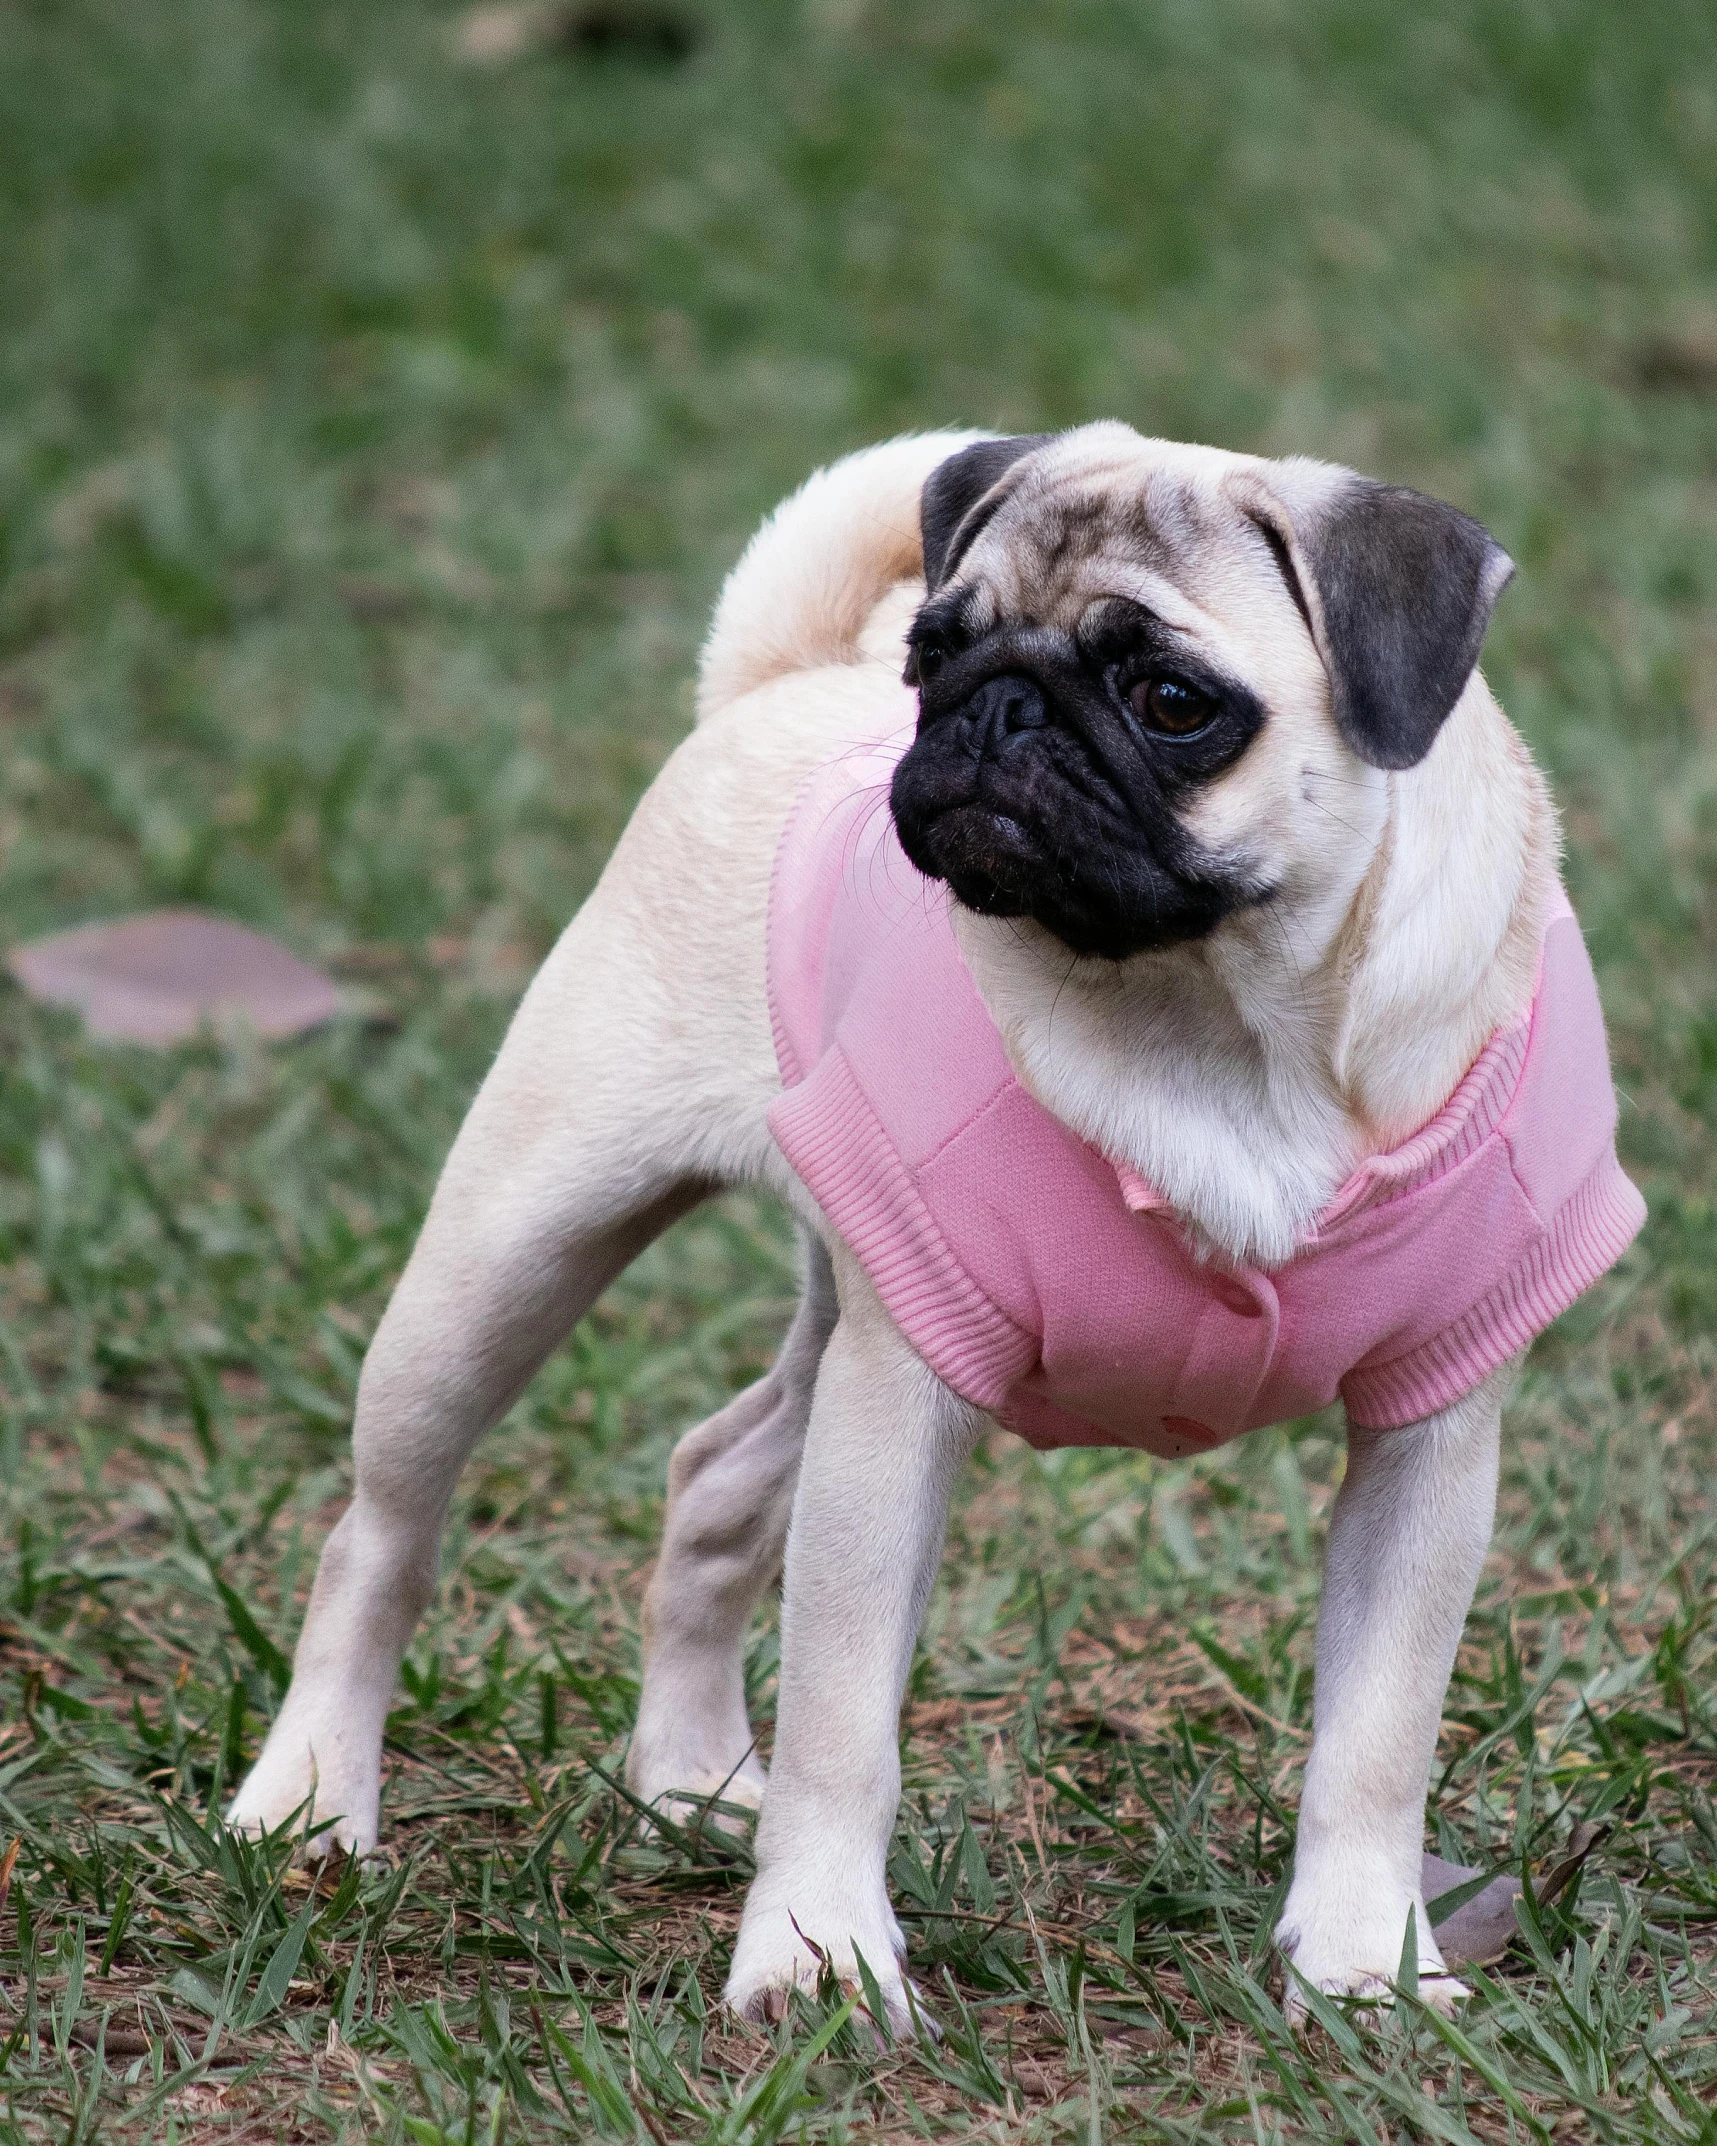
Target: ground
x=376 y=422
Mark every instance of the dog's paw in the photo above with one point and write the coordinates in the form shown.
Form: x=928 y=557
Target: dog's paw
x=709 y=1801
x=784 y=1947
x=690 y=1796
x=1443 y=1992
x=1347 y=1944
x=287 y=1787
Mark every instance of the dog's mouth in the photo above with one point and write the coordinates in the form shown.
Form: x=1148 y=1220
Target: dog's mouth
x=1049 y=779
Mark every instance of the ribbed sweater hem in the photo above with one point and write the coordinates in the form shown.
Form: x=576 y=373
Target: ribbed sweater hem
x=1592 y=1229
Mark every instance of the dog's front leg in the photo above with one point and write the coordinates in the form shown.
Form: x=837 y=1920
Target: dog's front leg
x=1407 y=1538
x=885 y=1443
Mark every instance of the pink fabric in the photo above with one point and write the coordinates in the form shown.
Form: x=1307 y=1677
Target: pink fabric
x=1054 y=1288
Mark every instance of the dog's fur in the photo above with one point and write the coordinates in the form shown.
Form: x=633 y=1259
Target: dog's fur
x=1288 y=944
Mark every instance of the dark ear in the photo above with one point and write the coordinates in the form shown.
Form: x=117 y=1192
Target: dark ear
x=957 y=502
x=1398 y=590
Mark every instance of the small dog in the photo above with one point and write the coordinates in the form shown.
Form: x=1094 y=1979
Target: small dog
x=1161 y=1013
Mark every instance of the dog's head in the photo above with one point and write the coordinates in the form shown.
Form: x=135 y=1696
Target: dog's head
x=1158 y=684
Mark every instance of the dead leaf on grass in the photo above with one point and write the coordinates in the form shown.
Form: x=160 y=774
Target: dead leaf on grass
x=1481 y=1929
x=490 y=36
x=162 y=977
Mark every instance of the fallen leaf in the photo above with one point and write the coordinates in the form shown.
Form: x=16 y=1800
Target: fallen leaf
x=491 y=35
x=1481 y=1929
x=162 y=977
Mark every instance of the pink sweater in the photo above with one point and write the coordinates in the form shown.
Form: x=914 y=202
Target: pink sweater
x=1055 y=1289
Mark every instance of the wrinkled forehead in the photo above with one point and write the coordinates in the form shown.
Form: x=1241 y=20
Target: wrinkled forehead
x=1103 y=512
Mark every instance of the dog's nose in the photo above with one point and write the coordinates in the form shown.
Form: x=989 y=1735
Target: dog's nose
x=1000 y=709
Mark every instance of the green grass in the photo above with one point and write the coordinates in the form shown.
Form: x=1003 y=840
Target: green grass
x=374 y=432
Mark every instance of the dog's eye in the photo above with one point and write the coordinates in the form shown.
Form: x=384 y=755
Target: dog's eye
x=923 y=660
x=1170 y=706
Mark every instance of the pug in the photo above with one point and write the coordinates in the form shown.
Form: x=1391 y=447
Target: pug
x=1102 y=898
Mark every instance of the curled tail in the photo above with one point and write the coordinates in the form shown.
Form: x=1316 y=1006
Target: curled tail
x=814 y=572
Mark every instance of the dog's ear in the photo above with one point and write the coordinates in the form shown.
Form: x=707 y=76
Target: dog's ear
x=961 y=494
x=1397 y=590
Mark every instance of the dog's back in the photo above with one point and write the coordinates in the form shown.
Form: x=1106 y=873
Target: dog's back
x=809 y=582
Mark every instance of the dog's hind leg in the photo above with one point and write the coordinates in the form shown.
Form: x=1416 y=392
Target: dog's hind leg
x=448 y=1359
x=617 y=1098
x=730 y=1493
x=1407 y=1538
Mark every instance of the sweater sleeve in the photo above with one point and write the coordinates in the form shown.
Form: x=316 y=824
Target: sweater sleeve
x=1585 y=1237
x=1558 y=1137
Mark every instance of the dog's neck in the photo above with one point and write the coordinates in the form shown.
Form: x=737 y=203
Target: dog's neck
x=1245 y=1076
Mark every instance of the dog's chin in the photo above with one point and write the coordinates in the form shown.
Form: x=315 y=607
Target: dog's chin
x=1104 y=900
